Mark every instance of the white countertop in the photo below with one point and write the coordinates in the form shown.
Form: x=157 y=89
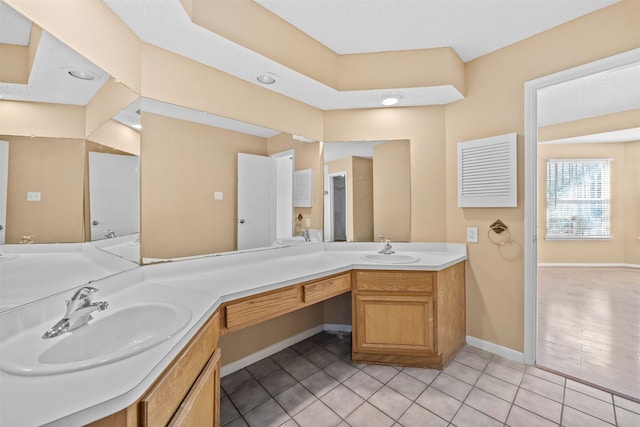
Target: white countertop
x=201 y=284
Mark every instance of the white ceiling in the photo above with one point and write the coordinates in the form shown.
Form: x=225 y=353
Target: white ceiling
x=471 y=28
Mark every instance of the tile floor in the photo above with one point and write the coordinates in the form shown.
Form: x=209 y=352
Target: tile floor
x=314 y=383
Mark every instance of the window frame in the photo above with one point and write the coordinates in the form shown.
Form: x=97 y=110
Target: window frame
x=604 y=189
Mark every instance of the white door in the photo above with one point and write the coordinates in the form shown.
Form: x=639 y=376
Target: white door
x=284 y=163
x=4 y=174
x=256 y=201
x=114 y=194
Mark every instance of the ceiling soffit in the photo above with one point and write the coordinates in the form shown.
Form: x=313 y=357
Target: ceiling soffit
x=270 y=36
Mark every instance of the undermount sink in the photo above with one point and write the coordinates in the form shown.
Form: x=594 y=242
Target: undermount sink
x=390 y=258
x=106 y=339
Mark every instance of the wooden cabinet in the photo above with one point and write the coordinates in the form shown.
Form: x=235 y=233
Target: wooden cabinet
x=186 y=393
x=410 y=318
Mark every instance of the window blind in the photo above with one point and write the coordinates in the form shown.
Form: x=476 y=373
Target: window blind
x=578 y=198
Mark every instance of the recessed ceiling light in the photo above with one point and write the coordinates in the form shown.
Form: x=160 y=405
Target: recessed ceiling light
x=391 y=100
x=83 y=75
x=267 y=78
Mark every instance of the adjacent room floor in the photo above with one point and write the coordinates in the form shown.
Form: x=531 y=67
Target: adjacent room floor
x=589 y=325
x=313 y=383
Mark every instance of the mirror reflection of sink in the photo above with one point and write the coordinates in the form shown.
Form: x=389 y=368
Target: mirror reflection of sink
x=390 y=258
x=294 y=240
x=116 y=336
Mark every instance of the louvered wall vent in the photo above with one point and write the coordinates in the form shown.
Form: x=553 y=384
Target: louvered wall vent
x=487 y=172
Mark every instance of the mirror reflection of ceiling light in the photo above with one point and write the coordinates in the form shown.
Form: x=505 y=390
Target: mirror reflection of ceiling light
x=267 y=78
x=389 y=101
x=83 y=75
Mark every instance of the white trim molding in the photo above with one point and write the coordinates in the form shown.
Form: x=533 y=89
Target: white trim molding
x=587 y=264
x=499 y=350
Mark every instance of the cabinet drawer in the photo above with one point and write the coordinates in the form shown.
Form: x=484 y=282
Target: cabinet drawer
x=327 y=288
x=258 y=309
x=159 y=404
x=400 y=281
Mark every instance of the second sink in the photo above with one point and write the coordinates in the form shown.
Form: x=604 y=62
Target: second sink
x=390 y=258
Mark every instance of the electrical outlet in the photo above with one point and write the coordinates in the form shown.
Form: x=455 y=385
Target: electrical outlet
x=472 y=234
x=218 y=195
x=33 y=196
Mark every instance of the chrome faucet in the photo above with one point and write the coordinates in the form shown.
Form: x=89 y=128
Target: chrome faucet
x=386 y=250
x=110 y=234
x=79 y=309
x=305 y=234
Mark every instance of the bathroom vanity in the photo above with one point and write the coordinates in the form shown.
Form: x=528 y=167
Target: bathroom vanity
x=409 y=313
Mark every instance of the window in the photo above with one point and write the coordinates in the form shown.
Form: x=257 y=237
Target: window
x=578 y=199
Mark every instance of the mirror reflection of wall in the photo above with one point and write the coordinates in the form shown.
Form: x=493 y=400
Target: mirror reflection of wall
x=376 y=177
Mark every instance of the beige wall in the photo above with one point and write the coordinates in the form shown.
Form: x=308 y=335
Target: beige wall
x=55 y=168
x=624 y=194
x=392 y=191
x=182 y=165
x=494 y=105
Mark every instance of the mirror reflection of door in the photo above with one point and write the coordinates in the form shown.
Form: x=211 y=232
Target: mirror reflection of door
x=4 y=173
x=265 y=199
x=114 y=195
x=338 y=207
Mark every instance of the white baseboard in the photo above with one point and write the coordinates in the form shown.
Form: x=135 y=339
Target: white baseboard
x=279 y=346
x=587 y=264
x=505 y=352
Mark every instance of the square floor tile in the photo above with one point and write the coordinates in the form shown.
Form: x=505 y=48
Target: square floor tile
x=390 y=402
x=321 y=358
x=301 y=369
x=317 y=415
x=542 y=387
x=238 y=422
x=589 y=405
x=574 y=418
x=417 y=416
x=305 y=347
x=342 y=400
x=250 y=395
x=381 y=372
x=295 y=399
x=591 y=391
x=519 y=417
x=504 y=372
x=546 y=375
x=340 y=370
x=319 y=383
x=363 y=384
x=267 y=414
x=262 y=368
x=472 y=359
x=439 y=403
x=451 y=386
x=235 y=380
x=469 y=417
x=228 y=412
x=540 y=405
x=285 y=356
x=488 y=404
x=407 y=385
x=425 y=375
x=627 y=404
x=627 y=418
x=368 y=415
x=277 y=381
x=497 y=387
x=462 y=372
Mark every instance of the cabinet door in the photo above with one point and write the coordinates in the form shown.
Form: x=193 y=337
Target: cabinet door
x=201 y=407
x=390 y=323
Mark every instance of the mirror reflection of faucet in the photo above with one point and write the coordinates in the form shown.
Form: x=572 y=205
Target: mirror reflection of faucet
x=110 y=234
x=387 y=250
x=79 y=309
x=305 y=235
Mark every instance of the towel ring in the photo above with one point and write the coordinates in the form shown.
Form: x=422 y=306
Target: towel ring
x=496 y=229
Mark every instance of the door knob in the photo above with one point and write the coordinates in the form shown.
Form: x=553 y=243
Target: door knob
x=242 y=221
x=1 y=228
x=94 y=223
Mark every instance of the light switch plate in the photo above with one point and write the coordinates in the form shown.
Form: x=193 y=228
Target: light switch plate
x=472 y=234
x=218 y=195
x=33 y=196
